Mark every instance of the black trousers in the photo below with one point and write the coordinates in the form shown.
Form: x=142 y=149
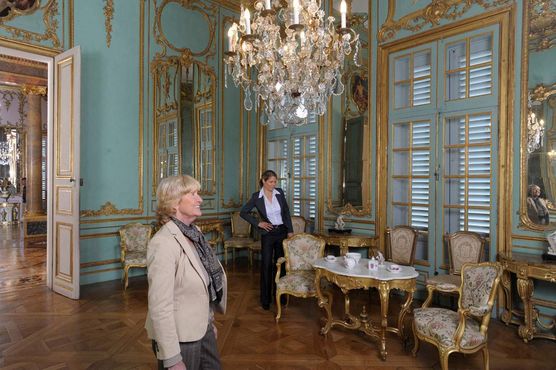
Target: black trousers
x=271 y=250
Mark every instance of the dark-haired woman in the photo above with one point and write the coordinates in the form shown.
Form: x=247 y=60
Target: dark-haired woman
x=275 y=225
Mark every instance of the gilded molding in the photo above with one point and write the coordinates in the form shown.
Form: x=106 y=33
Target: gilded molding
x=50 y=23
x=14 y=12
x=33 y=90
x=207 y=10
x=110 y=209
x=541 y=92
x=431 y=15
x=108 y=16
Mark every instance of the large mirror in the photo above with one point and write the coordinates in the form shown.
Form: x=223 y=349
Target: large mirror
x=538 y=147
x=349 y=126
x=185 y=120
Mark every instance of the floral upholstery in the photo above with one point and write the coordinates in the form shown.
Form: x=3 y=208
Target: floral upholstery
x=302 y=282
x=134 y=239
x=464 y=247
x=442 y=327
x=402 y=241
x=477 y=285
x=298 y=224
x=300 y=251
x=240 y=227
x=441 y=324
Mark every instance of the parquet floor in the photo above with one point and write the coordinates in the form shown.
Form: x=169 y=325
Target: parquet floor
x=104 y=330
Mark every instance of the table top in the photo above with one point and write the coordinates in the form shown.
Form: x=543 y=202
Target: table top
x=530 y=259
x=362 y=271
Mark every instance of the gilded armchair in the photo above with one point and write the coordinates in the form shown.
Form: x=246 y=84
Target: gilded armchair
x=300 y=251
x=463 y=331
x=400 y=244
x=463 y=247
x=134 y=239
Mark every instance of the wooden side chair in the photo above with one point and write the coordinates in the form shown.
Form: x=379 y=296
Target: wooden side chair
x=240 y=239
x=134 y=239
x=300 y=251
x=401 y=242
x=463 y=247
x=463 y=331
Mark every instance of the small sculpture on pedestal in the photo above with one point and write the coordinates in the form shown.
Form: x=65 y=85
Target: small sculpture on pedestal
x=339 y=224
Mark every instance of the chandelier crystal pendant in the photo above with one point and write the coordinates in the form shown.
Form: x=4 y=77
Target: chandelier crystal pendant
x=535 y=128
x=289 y=56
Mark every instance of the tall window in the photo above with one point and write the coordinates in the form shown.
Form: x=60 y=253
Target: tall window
x=292 y=154
x=442 y=130
x=205 y=140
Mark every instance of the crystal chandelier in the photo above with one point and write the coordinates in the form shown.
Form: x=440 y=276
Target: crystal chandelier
x=290 y=56
x=535 y=128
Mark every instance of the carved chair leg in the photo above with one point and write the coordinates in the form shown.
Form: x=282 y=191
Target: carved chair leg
x=126 y=276
x=415 y=342
x=278 y=306
x=485 y=358
x=226 y=255
x=443 y=359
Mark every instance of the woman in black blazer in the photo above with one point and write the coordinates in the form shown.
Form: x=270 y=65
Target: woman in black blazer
x=275 y=226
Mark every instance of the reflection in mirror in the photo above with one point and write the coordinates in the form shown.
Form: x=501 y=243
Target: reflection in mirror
x=10 y=161
x=185 y=134
x=538 y=182
x=349 y=131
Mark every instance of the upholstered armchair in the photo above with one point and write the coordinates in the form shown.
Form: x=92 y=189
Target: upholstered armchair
x=463 y=247
x=240 y=239
x=134 y=239
x=400 y=244
x=463 y=331
x=298 y=223
x=300 y=251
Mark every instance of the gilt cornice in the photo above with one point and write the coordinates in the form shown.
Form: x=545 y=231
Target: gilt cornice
x=432 y=14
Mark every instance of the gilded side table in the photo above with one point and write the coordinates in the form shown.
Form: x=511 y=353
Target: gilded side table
x=345 y=241
x=360 y=277
x=527 y=268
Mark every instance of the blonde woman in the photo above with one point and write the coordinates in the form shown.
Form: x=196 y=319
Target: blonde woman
x=186 y=282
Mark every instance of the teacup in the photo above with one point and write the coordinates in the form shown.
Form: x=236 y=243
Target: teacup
x=356 y=256
x=394 y=268
x=330 y=258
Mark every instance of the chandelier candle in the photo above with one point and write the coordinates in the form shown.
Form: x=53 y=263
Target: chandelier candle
x=289 y=58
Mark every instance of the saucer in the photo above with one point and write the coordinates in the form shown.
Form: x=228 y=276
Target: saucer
x=395 y=271
x=330 y=259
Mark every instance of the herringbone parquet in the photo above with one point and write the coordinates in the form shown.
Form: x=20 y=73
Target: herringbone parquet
x=104 y=330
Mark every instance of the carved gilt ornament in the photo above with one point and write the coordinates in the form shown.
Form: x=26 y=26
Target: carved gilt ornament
x=431 y=15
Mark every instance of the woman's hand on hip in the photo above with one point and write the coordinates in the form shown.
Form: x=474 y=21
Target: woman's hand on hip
x=265 y=226
x=179 y=366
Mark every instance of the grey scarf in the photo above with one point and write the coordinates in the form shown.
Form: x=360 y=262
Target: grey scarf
x=207 y=257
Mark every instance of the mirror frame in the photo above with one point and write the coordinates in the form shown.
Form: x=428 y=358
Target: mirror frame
x=540 y=93
x=166 y=106
x=337 y=206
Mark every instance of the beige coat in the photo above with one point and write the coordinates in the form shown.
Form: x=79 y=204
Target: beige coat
x=178 y=293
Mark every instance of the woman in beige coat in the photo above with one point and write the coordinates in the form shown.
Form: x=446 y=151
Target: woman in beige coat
x=186 y=282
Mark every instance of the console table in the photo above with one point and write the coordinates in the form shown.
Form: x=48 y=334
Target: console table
x=345 y=241
x=360 y=277
x=527 y=268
